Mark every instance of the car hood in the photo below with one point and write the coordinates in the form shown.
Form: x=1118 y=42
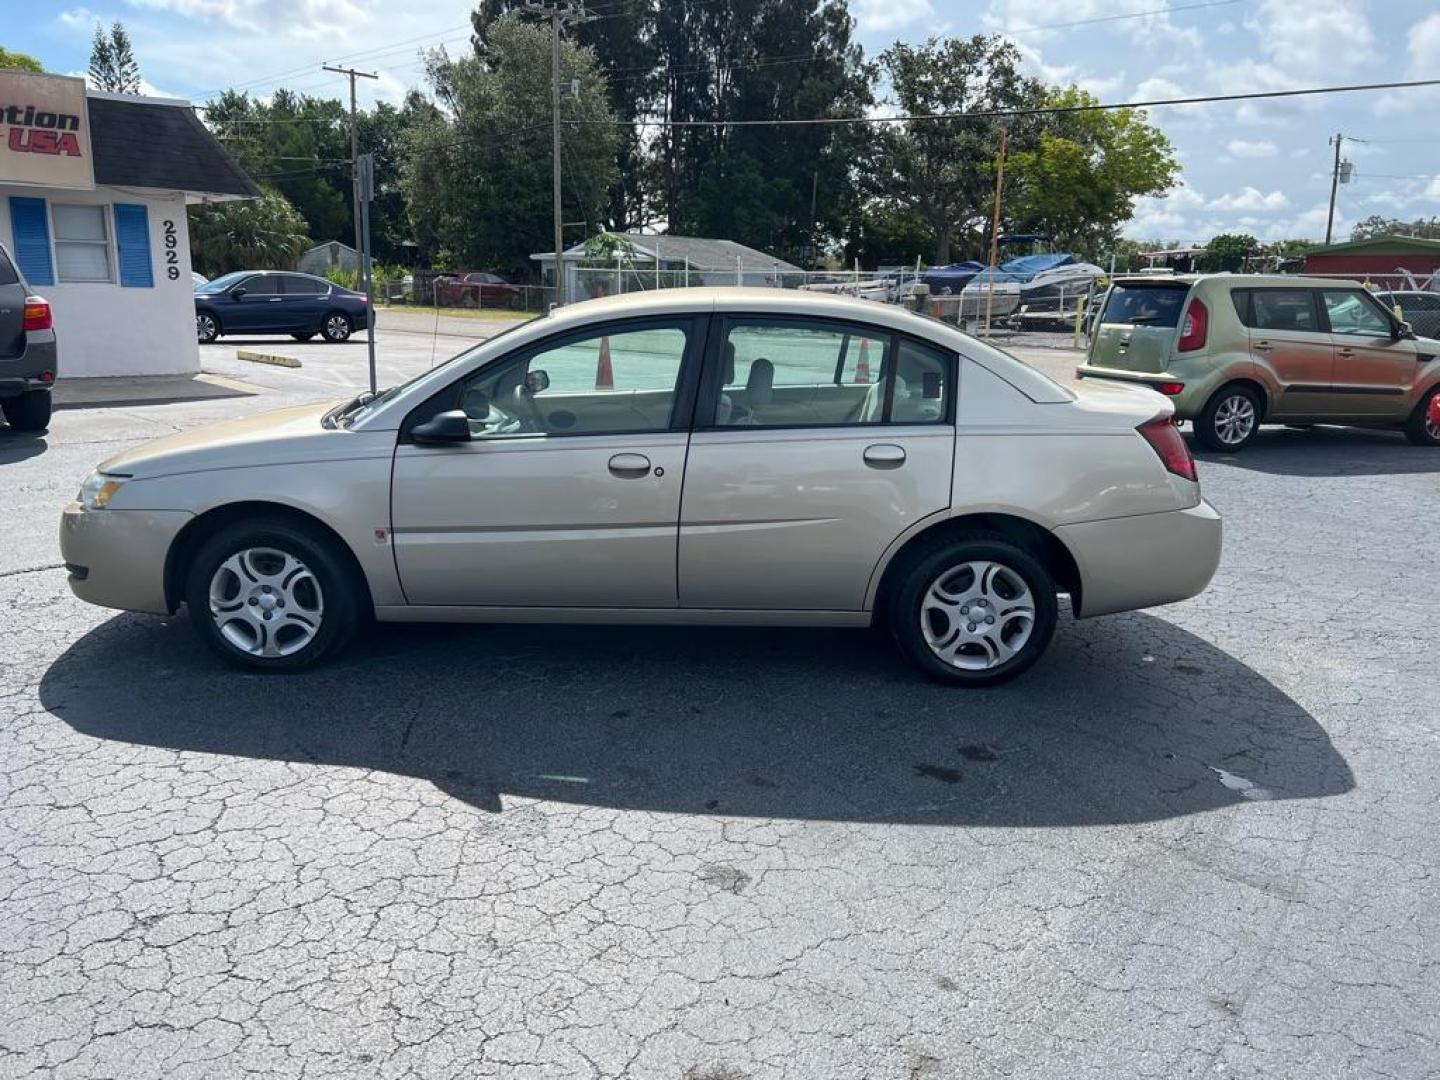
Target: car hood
x=284 y=436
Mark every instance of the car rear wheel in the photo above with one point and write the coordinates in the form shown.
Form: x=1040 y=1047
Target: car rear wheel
x=1423 y=427
x=975 y=611
x=207 y=327
x=1229 y=420
x=336 y=327
x=271 y=596
x=29 y=411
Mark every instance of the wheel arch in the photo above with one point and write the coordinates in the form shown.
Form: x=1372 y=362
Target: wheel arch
x=203 y=526
x=1249 y=382
x=1023 y=531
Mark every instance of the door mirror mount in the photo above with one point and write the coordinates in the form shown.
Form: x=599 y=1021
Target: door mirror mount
x=1403 y=331
x=237 y=292
x=443 y=429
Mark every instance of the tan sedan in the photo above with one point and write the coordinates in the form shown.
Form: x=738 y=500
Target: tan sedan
x=690 y=456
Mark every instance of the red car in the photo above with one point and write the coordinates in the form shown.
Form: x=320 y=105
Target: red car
x=475 y=290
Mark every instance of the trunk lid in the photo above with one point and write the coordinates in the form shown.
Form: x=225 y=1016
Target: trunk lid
x=1138 y=326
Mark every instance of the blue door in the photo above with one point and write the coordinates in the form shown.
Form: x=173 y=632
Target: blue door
x=255 y=309
x=306 y=301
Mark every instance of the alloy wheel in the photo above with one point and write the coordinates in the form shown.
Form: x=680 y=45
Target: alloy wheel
x=977 y=615
x=337 y=328
x=1234 y=419
x=266 y=602
x=205 y=328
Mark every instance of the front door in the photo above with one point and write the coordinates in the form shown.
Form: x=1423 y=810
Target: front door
x=1374 y=367
x=817 y=443
x=256 y=308
x=1288 y=339
x=568 y=494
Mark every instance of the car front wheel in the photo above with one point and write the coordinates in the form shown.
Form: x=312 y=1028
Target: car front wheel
x=207 y=327
x=271 y=596
x=975 y=611
x=336 y=327
x=1229 y=420
x=1423 y=427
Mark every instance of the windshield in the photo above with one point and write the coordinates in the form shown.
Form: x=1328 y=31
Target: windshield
x=223 y=282
x=1145 y=305
x=364 y=405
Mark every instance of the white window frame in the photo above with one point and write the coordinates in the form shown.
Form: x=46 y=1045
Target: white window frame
x=107 y=214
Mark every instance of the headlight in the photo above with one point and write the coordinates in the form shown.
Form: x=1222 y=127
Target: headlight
x=99 y=489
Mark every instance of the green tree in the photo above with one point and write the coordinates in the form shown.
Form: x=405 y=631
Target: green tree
x=113 y=67
x=1423 y=228
x=250 y=234
x=943 y=170
x=477 y=177
x=1227 y=252
x=16 y=61
x=1076 y=183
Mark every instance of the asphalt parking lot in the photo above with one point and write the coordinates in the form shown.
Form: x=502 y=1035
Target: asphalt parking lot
x=1198 y=841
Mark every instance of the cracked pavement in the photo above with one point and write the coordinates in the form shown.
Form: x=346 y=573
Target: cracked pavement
x=1197 y=841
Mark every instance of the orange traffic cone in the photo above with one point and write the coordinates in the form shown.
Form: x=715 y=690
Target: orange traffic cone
x=862 y=365
x=604 y=372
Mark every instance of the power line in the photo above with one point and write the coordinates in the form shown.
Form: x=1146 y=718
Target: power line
x=1039 y=110
x=1117 y=18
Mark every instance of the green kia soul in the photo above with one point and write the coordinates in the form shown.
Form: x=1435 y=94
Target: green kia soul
x=1235 y=351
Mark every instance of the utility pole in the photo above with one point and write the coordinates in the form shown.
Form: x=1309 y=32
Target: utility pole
x=558 y=16
x=354 y=141
x=995 y=224
x=1334 y=188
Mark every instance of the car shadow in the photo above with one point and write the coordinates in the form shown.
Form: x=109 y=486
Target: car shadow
x=17 y=446
x=1128 y=719
x=1328 y=451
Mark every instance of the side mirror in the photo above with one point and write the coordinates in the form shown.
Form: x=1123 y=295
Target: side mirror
x=537 y=381
x=237 y=292
x=443 y=429
x=1404 y=331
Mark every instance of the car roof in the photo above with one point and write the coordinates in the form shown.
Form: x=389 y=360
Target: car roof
x=1239 y=281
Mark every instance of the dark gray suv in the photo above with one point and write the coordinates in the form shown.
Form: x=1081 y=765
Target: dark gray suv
x=27 y=351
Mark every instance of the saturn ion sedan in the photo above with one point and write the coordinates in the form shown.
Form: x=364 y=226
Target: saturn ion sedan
x=692 y=456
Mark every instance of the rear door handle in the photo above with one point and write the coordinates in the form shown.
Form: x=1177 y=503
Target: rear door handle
x=1262 y=346
x=1347 y=352
x=630 y=466
x=274 y=299
x=884 y=456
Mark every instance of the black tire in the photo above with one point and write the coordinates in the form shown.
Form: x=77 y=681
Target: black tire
x=1219 y=426
x=1417 y=429
x=913 y=625
x=207 y=327
x=304 y=337
x=336 y=327
x=29 y=411
x=332 y=583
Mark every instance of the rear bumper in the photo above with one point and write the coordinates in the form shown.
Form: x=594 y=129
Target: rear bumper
x=1143 y=561
x=26 y=371
x=116 y=558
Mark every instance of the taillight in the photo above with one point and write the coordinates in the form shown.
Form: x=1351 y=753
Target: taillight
x=37 y=314
x=1192 y=330
x=1167 y=442
x=1170 y=389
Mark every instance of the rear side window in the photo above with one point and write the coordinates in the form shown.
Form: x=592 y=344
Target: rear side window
x=1284 y=309
x=303 y=286
x=1145 y=305
x=8 y=276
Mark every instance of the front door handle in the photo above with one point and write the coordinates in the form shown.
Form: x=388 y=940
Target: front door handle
x=884 y=456
x=1347 y=352
x=274 y=299
x=1262 y=346
x=630 y=466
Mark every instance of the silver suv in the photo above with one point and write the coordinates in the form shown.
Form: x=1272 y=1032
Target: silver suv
x=714 y=456
x=27 y=351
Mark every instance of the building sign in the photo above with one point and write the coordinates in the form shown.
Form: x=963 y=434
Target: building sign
x=44 y=131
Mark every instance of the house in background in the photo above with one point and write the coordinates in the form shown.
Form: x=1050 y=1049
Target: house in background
x=1384 y=260
x=331 y=255
x=93 y=193
x=666 y=261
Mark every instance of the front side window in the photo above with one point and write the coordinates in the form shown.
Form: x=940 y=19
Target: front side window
x=82 y=243
x=262 y=285
x=1283 y=309
x=1353 y=312
x=623 y=381
x=786 y=374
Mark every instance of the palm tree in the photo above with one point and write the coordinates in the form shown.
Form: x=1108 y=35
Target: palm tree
x=267 y=233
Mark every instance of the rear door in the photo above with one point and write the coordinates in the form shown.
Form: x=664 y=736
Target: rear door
x=306 y=299
x=1138 y=326
x=816 y=444
x=1289 y=340
x=12 y=308
x=1373 y=366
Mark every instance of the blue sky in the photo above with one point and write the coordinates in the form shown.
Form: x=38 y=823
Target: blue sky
x=1261 y=168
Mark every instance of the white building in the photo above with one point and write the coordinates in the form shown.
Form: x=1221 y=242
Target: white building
x=331 y=255
x=96 y=221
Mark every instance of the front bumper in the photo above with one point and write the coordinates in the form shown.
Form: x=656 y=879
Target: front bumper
x=1143 y=561
x=116 y=558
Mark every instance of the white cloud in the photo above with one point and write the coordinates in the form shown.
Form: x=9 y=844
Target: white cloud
x=1423 y=46
x=1433 y=191
x=1313 y=40
x=1250 y=198
x=880 y=15
x=1243 y=148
